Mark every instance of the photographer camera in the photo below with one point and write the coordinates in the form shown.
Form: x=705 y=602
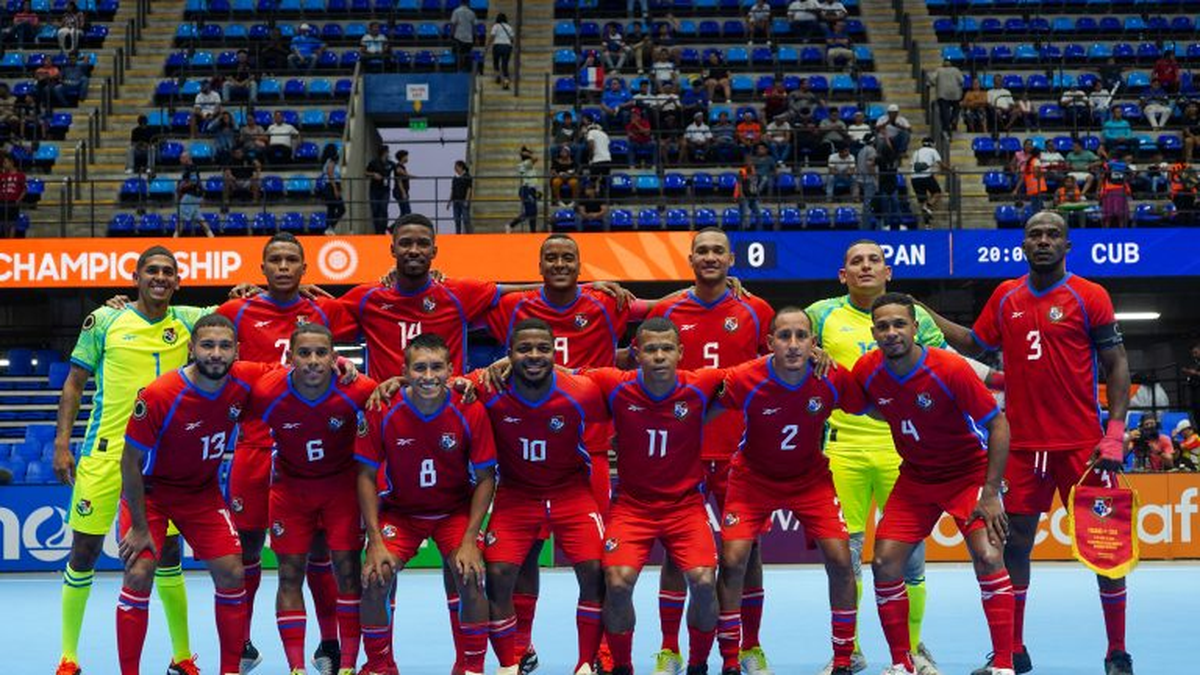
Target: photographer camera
x=1152 y=449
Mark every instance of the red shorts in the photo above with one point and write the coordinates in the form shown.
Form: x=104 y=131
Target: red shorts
x=752 y=498
x=517 y=519
x=716 y=480
x=403 y=535
x=202 y=518
x=250 y=487
x=914 y=507
x=682 y=528
x=1032 y=478
x=301 y=506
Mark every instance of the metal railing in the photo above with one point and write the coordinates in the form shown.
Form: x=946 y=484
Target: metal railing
x=516 y=55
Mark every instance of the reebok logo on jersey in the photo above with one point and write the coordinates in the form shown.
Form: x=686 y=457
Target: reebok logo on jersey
x=1017 y=314
x=262 y=324
x=385 y=306
x=289 y=426
x=557 y=423
x=633 y=407
x=882 y=401
x=924 y=401
x=405 y=442
x=129 y=337
x=846 y=329
x=509 y=419
x=192 y=426
x=449 y=440
x=770 y=411
x=686 y=327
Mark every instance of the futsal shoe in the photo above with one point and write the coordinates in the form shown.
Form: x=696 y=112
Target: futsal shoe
x=1021 y=663
x=730 y=671
x=250 y=657
x=898 y=669
x=923 y=661
x=1118 y=663
x=529 y=661
x=667 y=662
x=754 y=661
x=842 y=670
x=68 y=667
x=184 y=667
x=508 y=670
x=585 y=669
x=346 y=671
x=698 y=669
x=327 y=657
x=858 y=663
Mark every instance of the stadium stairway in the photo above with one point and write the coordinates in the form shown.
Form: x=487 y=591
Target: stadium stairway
x=893 y=66
x=507 y=122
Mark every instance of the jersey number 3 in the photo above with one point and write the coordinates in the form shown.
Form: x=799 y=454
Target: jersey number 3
x=1034 y=337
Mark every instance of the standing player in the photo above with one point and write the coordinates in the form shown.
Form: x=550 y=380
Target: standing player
x=125 y=349
x=313 y=420
x=935 y=406
x=658 y=414
x=264 y=323
x=539 y=417
x=1052 y=326
x=784 y=406
x=439 y=460
x=861 y=452
x=181 y=426
x=717 y=329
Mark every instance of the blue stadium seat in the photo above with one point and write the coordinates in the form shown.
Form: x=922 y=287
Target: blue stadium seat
x=298 y=186
x=565 y=219
x=620 y=219
x=1007 y=216
x=678 y=219
x=705 y=218
x=649 y=219
x=817 y=218
x=151 y=224
x=121 y=225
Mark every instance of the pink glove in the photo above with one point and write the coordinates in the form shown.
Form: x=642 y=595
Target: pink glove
x=1112 y=446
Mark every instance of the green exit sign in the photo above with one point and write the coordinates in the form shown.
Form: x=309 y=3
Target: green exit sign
x=418 y=123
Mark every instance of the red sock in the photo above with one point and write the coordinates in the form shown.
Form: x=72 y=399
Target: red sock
x=729 y=634
x=503 y=635
x=233 y=613
x=752 y=609
x=348 y=628
x=377 y=643
x=670 y=616
x=291 y=631
x=253 y=578
x=1113 y=604
x=474 y=647
x=526 y=606
x=997 y=593
x=133 y=615
x=452 y=605
x=1019 y=617
x=844 y=623
x=700 y=645
x=621 y=646
x=589 y=628
x=892 y=599
x=324 y=592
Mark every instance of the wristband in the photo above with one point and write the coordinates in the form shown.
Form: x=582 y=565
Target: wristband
x=1112 y=446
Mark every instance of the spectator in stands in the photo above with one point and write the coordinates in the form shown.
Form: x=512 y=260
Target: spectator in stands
x=887 y=159
x=599 y=155
x=670 y=138
x=1185 y=183
x=331 y=175
x=242 y=175
x=746 y=192
x=927 y=161
x=1191 y=130
x=806 y=135
x=758 y=22
x=1115 y=195
x=616 y=103
x=1188 y=445
x=242 y=85
x=564 y=172
x=802 y=101
x=975 y=107
x=725 y=138
x=46 y=78
x=1002 y=107
x=253 y=137
x=663 y=69
x=74 y=85
x=273 y=55
x=1069 y=201
x=12 y=192
x=640 y=45
x=25 y=25
x=857 y=130
x=190 y=193
x=833 y=11
x=664 y=37
x=616 y=51
x=716 y=74
x=282 y=139
x=500 y=40
x=839 y=50
x=402 y=183
x=379 y=178
x=643 y=5
x=140 y=156
x=1101 y=100
x=1152 y=450
x=1025 y=113
x=749 y=131
x=1054 y=164
x=667 y=103
x=463 y=22
x=1166 y=71
x=802 y=16
x=947 y=83
x=895 y=128
x=834 y=132
x=70 y=28
x=225 y=135
x=527 y=192
x=592 y=210
x=697 y=139
x=462 y=189
x=1033 y=179
x=779 y=139
x=695 y=100
x=775 y=100
x=1156 y=104
x=206 y=107
x=1116 y=135
x=1112 y=74
x=842 y=169
x=373 y=48
x=1077 y=111
x=1152 y=180
x=1082 y=165
x=642 y=148
x=29 y=112
x=305 y=49
x=867 y=177
x=8 y=112
x=567 y=134
x=591 y=77
x=644 y=99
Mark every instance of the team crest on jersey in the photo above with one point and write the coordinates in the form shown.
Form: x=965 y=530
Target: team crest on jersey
x=302 y=320
x=681 y=410
x=89 y=322
x=428 y=304
x=732 y=519
x=235 y=413
x=361 y=429
x=449 y=440
x=490 y=538
x=1102 y=507
x=815 y=404
x=83 y=507
x=581 y=321
x=277 y=528
x=236 y=504
x=1055 y=313
x=557 y=423
x=169 y=335
x=611 y=544
x=388 y=531
x=139 y=409
x=335 y=423
x=924 y=401
x=731 y=323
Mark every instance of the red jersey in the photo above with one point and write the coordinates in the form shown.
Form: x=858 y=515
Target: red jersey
x=12 y=186
x=658 y=439
x=722 y=334
x=313 y=438
x=183 y=431
x=785 y=424
x=539 y=444
x=429 y=461
x=937 y=412
x=389 y=318
x=586 y=330
x=264 y=330
x=1050 y=369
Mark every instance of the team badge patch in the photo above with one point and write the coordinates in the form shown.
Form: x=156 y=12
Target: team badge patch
x=170 y=336
x=490 y=538
x=449 y=440
x=302 y=320
x=611 y=544
x=139 y=409
x=89 y=322
x=362 y=427
x=731 y=519
x=84 y=507
x=731 y=323
x=428 y=304
x=557 y=423
x=235 y=413
x=581 y=321
x=681 y=410
x=1102 y=507
x=335 y=423
x=236 y=504
x=815 y=404
x=277 y=528
x=924 y=401
x=1055 y=313
x=388 y=531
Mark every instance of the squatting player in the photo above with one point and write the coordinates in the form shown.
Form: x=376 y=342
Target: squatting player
x=313 y=419
x=784 y=405
x=181 y=426
x=1052 y=326
x=935 y=405
x=438 y=456
x=124 y=349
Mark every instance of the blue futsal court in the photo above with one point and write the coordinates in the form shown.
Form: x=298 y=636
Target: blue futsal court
x=1064 y=628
